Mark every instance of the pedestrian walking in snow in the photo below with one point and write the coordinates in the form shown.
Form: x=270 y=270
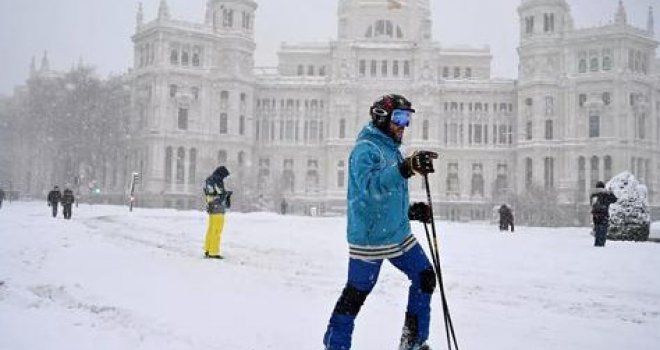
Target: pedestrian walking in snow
x=218 y=201
x=600 y=211
x=506 y=218
x=67 y=203
x=2 y=197
x=54 y=198
x=378 y=227
x=283 y=206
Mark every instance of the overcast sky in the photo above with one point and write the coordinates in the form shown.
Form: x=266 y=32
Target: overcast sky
x=99 y=31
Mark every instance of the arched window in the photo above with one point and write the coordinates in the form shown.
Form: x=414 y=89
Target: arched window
x=529 y=173
x=582 y=178
x=607 y=63
x=222 y=157
x=184 y=58
x=548 y=130
x=241 y=125
x=168 y=165
x=477 y=180
x=593 y=64
x=342 y=128
x=180 y=167
x=192 y=166
x=595 y=172
x=174 y=57
x=607 y=168
x=223 y=123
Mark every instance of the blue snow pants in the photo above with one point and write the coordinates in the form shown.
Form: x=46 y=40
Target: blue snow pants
x=362 y=277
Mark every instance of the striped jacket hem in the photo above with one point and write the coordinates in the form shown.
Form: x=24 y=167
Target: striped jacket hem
x=382 y=251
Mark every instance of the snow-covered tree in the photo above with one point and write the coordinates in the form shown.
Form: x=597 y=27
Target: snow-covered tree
x=629 y=216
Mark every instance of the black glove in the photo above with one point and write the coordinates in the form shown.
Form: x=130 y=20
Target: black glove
x=229 y=193
x=420 y=162
x=421 y=212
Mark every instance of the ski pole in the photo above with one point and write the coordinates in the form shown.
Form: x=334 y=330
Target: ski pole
x=433 y=247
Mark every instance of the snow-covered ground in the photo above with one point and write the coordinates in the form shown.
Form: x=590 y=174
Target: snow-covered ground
x=109 y=279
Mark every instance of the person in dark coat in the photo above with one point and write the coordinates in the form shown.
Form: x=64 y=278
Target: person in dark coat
x=218 y=201
x=506 y=218
x=2 y=196
x=54 y=197
x=67 y=202
x=600 y=201
x=283 y=206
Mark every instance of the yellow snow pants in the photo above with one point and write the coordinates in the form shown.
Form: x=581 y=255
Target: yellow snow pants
x=214 y=234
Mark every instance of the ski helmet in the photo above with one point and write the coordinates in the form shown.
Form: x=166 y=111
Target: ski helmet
x=221 y=172
x=381 y=110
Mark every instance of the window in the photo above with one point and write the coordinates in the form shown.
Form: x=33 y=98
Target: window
x=224 y=100
x=582 y=177
x=310 y=70
x=548 y=173
x=168 y=165
x=549 y=105
x=173 y=90
x=373 y=69
x=174 y=57
x=227 y=18
x=529 y=25
x=192 y=166
x=607 y=168
x=595 y=171
x=445 y=72
x=395 y=68
x=180 y=160
x=594 y=125
x=301 y=70
x=528 y=173
x=425 y=129
x=477 y=133
x=240 y=158
x=477 y=180
x=223 y=123
x=593 y=64
x=468 y=73
x=241 y=125
x=582 y=99
x=457 y=72
x=342 y=128
x=406 y=69
x=582 y=68
x=322 y=71
x=548 y=22
x=195 y=92
x=607 y=62
x=383 y=68
x=183 y=119
x=184 y=58
x=548 y=130
x=363 y=68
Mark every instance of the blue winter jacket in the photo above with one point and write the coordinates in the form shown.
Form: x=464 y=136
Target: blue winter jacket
x=377 y=192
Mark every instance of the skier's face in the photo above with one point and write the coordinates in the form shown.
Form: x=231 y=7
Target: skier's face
x=397 y=132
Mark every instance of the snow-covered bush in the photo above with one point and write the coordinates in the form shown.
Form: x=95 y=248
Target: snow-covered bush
x=629 y=216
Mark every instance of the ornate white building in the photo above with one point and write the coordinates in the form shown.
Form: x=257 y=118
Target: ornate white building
x=586 y=106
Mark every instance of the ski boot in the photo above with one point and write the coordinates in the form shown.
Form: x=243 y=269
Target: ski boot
x=409 y=335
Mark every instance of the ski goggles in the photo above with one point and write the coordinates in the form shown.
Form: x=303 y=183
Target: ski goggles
x=401 y=117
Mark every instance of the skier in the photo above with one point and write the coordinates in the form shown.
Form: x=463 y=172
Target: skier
x=218 y=200
x=2 y=197
x=67 y=202
x=600 y=211
x=379 y=225
x=54 y=197
x=506 y=218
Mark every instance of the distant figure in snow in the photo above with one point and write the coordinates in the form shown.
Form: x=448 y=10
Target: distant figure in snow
x=283 y=206
x=67 y=201
x=506 y=218
x=2 y=197
x=600 y=211
x=218 y=201
x=54 y=198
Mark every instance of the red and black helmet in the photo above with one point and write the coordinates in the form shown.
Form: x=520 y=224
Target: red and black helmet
x=381 y=110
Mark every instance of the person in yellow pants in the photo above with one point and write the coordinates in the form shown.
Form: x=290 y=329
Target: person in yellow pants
x=217 y=203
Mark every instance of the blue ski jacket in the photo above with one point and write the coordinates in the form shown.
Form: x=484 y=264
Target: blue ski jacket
x=377 y=192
